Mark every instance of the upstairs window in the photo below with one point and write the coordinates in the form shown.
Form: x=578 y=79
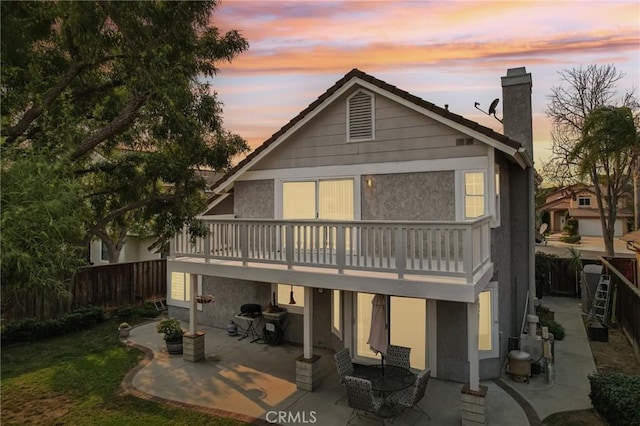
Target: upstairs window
x=474 y=195
x=360 y=117
x=584 y=201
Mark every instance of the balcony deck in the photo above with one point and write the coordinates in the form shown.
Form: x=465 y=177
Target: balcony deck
x=444 y=260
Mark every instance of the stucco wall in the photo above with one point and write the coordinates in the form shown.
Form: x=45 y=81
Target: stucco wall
x=409 y=196
x=452 y=341
x=231 y=294
x=254 y=199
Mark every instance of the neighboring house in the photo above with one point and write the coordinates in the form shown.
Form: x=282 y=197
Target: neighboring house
x=579 y=202
x=136 y=248
x=371 y=190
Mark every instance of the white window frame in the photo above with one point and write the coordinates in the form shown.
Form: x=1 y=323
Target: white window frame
x=279 y=185
x=373 y=117
x=337 y=309
x=298 y=308
x=186 y=301
x=492 y=288
x=461 y=193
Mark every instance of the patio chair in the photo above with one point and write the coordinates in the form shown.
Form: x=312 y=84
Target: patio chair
x=360 y=397
x=398 y=355
x=408 y=399
x=343 y=364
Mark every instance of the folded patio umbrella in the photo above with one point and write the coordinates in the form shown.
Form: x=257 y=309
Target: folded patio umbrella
x=379 y=333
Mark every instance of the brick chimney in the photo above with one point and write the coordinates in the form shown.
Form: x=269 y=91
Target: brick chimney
x=516 y=110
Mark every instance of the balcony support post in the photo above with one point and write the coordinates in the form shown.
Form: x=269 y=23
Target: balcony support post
x=289 y=243
x=401 y=251
x=244 y=243
x=341 y=248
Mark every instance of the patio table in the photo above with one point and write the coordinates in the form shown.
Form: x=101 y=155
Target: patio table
x=385 y=380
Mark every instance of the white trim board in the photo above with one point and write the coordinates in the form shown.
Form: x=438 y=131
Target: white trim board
x=462 y=163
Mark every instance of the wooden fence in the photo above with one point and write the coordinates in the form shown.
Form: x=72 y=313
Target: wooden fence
x=109 y=286
x=556 y=277
x=626 y=308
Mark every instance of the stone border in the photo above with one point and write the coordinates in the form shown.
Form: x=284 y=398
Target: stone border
x=128 y=387
x=531 y=414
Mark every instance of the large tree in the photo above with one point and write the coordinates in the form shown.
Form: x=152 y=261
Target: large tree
x=609 y=140
x=582 y=90
x=122 y=91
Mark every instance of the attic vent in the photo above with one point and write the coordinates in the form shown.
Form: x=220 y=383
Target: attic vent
x=360 y=116
x=464 y=141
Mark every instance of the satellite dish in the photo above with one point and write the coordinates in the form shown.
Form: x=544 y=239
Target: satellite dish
x=492 y=107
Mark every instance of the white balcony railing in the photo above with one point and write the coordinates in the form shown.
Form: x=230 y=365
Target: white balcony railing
x=456 y=249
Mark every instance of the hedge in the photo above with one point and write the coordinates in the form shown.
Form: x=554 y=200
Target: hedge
x=616 y=397
x=31 y=329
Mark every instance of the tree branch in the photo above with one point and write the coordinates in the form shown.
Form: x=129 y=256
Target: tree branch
x=133 y=206
x=14 y=132
x=124 y=119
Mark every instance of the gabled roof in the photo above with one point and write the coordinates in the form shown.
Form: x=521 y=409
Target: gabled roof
x=485 y=134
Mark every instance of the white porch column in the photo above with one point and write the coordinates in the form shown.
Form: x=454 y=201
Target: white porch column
x=474 y=396
x=308 y=322
x=473 y=314
x=307 y=365
x=193 y=307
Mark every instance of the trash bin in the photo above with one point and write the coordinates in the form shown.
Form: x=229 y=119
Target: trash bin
x=519 y=366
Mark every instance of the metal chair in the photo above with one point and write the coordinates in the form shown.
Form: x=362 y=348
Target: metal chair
x=409 y=398
x=360 y=397
x=398 y=355
x=343 y=364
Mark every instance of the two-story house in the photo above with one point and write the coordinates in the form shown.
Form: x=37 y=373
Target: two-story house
x=579 y=202
x=370 y=190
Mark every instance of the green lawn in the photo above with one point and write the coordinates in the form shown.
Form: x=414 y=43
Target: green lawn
x=75 y=379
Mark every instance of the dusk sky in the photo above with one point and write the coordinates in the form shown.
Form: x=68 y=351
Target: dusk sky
x=446 y=52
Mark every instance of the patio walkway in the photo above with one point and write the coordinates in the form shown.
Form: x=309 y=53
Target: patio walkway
x=255 y=382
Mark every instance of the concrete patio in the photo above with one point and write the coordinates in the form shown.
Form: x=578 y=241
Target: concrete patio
x=255 y=382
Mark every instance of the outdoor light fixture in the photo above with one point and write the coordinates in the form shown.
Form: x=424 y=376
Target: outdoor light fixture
x=369 y=182
x=292 y=301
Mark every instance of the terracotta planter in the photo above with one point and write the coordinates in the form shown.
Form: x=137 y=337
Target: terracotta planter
x=174 y=348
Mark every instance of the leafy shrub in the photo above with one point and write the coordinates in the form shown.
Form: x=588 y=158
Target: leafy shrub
x=171 y=328
x=131 y=313
x=31 y=329
x=571 y=239
x=616 y=397
x=554 y=327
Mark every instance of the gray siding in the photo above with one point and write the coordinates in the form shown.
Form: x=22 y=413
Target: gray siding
x=401 y=134
x=224 y=207
x=409 y=196
x=254 y=199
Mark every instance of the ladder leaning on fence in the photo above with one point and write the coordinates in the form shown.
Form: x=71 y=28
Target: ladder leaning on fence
x=600 y=305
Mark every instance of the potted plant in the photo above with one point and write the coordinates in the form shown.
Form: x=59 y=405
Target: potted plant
x=124 y=329
x=172 y=330
x=544 y=313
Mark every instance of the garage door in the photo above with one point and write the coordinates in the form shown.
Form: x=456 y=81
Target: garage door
x=592 y=228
